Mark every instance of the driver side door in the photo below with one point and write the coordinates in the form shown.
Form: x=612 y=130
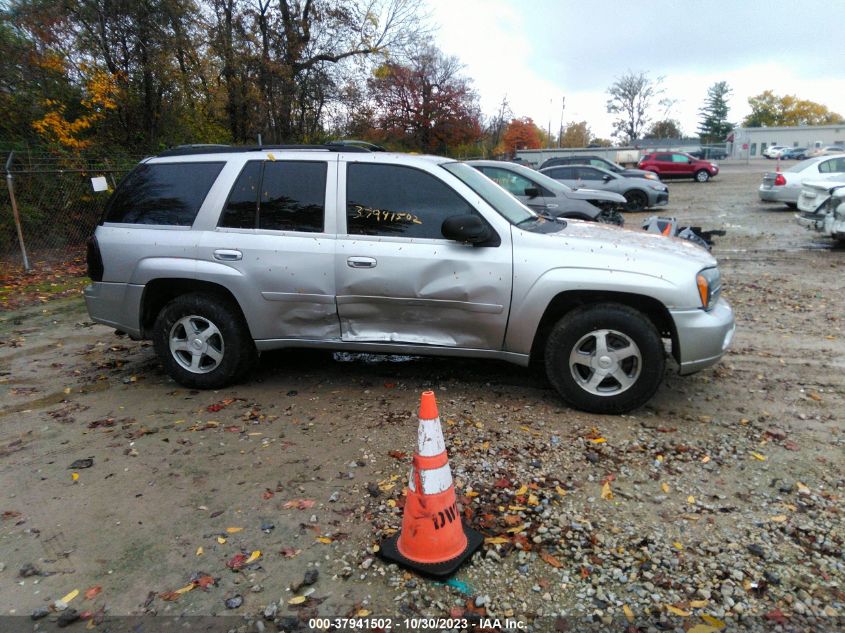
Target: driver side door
x=516 y=185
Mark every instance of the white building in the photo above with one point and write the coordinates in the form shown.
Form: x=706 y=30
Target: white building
x=751 y=141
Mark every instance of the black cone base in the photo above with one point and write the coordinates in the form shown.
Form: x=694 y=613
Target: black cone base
x=389 y=551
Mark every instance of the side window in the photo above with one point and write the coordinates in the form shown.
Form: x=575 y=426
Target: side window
x=663 y=157
x=162 y=193
x=400 y=201
x=509 y=181
x=562 y=173
x=826 y=167
x=293 y=196
x=586 y=173
x=241 y=211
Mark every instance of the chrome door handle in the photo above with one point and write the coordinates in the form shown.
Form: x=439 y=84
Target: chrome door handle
x=227 y=255
x=361 y=262
x=551 y=206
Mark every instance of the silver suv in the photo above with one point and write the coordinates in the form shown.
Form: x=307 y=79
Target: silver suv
x=219 y=253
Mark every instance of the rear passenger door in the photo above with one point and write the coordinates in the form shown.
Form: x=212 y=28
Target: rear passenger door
x=274 y=243
x=517 y=185
x=566 y=175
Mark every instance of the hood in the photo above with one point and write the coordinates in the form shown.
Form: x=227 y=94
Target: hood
x=595 y=194
x=633 y=248
x=635 y=173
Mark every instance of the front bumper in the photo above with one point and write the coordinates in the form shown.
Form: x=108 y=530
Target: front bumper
x=703 y=337
x=661 y=199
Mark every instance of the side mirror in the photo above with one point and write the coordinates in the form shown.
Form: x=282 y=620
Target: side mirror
x=467 y=228
x=532 y=192
x=605 y=178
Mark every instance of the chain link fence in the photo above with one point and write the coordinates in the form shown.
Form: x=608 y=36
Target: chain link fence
x=55 y=203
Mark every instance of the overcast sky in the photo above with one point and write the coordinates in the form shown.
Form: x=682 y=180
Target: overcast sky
x=538 y=51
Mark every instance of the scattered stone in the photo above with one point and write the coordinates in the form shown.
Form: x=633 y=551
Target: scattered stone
x=234 y=602
x=67 y=618
x=40 y=612
x=756 y=549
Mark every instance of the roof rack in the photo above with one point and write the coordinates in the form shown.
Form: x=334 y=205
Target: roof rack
x=187 y=150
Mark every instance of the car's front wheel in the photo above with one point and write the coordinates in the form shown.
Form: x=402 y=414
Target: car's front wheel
x=702 y=175
x=606 y=358
x=203 y=341
x=635 y=200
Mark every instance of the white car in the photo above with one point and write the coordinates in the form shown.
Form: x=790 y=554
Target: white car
x=785 y=186
x=775 y=151
x=822 y=206
x=830 y=150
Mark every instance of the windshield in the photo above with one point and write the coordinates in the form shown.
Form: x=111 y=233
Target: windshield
x=504 y=203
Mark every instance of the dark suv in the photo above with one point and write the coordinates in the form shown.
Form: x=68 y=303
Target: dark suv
x=598 y=161
x=679 y=165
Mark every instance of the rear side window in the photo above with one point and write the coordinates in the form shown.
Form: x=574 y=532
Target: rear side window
x=162 y=193
x=292 y=197
x=400 y=201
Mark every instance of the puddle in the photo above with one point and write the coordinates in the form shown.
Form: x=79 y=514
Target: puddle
x=54 y=398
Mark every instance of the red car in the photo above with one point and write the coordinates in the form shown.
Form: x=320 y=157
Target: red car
x=678 y=165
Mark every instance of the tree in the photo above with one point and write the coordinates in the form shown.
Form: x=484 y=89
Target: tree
x=576 y=135
x=425 y=104
x=497 y=125
x=770 y=110
x=714 y=126
x=667 y=128
x=521 y=133
x=631 y=97
x=601 y=142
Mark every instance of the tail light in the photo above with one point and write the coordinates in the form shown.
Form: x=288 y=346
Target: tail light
x=780 y=181
x=94 y=259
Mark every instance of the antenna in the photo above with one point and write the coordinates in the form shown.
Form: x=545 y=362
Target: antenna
x=259 y=141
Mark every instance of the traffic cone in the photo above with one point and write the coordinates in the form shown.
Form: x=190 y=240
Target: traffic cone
x=433 y=540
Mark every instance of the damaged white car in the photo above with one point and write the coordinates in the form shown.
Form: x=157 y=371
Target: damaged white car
x=822 y=206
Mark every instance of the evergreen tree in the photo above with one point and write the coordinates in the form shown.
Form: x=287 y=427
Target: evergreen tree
x=714 y=125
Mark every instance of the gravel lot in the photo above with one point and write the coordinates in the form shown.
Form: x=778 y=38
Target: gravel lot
x=726 y=489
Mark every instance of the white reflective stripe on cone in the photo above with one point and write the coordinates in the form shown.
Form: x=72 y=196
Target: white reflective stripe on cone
x=430 y=440
x=436 y=480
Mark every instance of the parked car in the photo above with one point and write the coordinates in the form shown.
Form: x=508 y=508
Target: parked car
x=678 y=165
x=822 y=206
x=550 y=197
x=598 y=161
x=639 y=193
x=774 y=151
x=219 y=255
x=796 y=153
x=830 y=150
x=785 y=186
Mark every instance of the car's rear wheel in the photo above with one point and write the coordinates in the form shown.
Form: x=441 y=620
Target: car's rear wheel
x=791 y=205
x=702 y=175
x=606 y=358
x=636 y=200
x=203 y=341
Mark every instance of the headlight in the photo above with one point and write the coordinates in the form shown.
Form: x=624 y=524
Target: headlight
x=651 y=176
x=709 y=283
x=659 y=187
x=713 y=165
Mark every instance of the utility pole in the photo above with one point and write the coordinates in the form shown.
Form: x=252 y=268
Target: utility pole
x=551 y=101
x=562 y=107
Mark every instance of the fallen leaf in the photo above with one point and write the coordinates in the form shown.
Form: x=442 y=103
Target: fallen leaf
x=74 y=476
x=203 y=582
x=629 y=615
x=516 y=530
x=221 y=540
x=699 y=604
x=677 y=611
x=362 y=613
x=324 y=539
x=598 y=440
x=714 y=622
x=512 y=519
x=496 y=540
x=92 y=592
x=780 y=518
x=678 y=545
x=702 y=628
x=398 y=454
x=705 y=459
x=802 y=488
x=233 y=530
x=289 y=552
x=200 y=551
x=606 y=492
x=170 y=596
x=70 y=596
x=665 y=487
x=185 y=589
x=691 y=500
x=560 y=491
x=297 y=600
x=267 y=494
x=236 y=562
x=522 y=490
x=300 y=504
x=758 y=456
x=253 y=557
x=551 y=560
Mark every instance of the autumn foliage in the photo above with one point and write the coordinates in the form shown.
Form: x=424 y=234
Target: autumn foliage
x=520 y=134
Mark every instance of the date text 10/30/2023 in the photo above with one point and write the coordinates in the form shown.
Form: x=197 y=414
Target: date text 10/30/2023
x=413 y=624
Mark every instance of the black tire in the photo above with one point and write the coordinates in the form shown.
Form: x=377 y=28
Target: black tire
x=636 y=200
x=618 y=326
x=702 y=175
x=791 y=205
x=230 y=340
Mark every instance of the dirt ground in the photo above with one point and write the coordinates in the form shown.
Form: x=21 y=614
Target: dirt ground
x=726 y=489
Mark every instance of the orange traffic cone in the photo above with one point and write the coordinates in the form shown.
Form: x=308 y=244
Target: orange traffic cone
x=433 y=540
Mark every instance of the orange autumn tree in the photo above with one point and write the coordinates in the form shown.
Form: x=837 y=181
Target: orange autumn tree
x=521 y=133
x=100 y=97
